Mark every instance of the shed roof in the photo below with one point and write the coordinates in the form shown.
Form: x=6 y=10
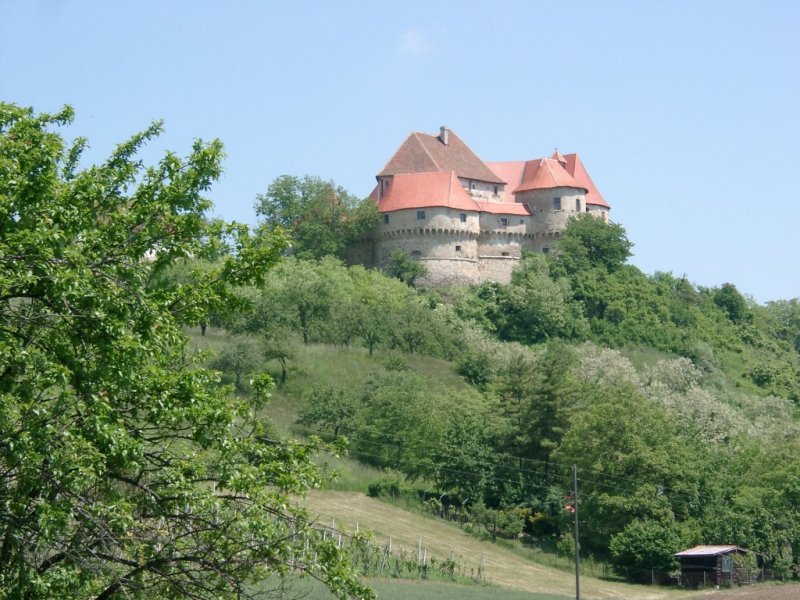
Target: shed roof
x=710 y=550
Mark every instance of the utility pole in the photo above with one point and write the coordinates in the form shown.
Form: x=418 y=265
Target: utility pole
x=577 y=538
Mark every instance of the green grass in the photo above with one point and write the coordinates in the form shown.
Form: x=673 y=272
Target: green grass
x=402 y=589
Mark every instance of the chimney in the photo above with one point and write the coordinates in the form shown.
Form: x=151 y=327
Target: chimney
x=443 y=135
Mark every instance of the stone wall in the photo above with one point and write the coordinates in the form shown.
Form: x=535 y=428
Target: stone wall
x=545 y=217
x=466 y=247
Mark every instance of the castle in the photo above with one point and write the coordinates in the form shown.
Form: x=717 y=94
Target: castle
x=470 y=220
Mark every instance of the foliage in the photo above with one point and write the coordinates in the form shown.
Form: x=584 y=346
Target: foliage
x=646 y=544
x=240 y=358
x=330 y=409
x=401 y=266
x=589 y=242
x=323 y=218
x=732 y=302
x=501 y=522
x=125 y=468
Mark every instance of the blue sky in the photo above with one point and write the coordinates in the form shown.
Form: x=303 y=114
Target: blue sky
x=684 y=113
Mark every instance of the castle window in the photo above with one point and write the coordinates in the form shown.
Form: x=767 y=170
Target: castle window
x=416 y=254
x=546 y=250
x=587 y=208
x=463 y=217
x=506 y=253
x=522 y=221
x=577 y=205
x=472 y=185
x=385 y=218
x=503 y=222
x=420 y=215
x=458 y=249
x=556 y=203
x=495 y=190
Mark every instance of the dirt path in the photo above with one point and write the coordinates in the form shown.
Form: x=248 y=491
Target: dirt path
x=776 y=592
x=502 y=566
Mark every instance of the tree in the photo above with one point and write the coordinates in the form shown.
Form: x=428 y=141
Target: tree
x=405 y=268
x=728 y=298
x=330 y=409
x=322 y=217
x=639 y=467
x=589 y=242
x=126 y=469
x=240 y=358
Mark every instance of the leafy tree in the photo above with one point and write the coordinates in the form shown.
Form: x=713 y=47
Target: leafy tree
x=277 y=345
x=322 y=217
x=786 y=314
x=330 y=409
x=300 y=294
x=406 y=269
x=588 y=242
x=646 y=544
x=376 y=300
x=240 y=358
x=728 y=298
x=125 y=468
x=639 y=466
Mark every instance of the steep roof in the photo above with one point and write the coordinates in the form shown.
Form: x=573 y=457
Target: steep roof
x=559 y=157
x=421 y=190
x=510 y=172
x=423 y=153
x=418 y=190
x=546 y=173
x=578 y=171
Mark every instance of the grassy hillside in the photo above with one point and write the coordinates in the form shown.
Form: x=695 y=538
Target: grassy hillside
x=503 y=567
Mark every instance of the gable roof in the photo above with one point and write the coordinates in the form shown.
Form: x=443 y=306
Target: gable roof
x=423 y=153
x=418 y=190
x=546 y=173
x=578 y=171
x=710 y=550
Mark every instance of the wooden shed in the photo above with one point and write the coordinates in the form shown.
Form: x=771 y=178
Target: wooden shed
x=713 y=565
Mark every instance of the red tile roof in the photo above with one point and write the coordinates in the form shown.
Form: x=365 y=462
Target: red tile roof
x=578 y=171
x=544 y=174
x=423 y=153
x=418 y=190
x=503 y=208
x=510 y=172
